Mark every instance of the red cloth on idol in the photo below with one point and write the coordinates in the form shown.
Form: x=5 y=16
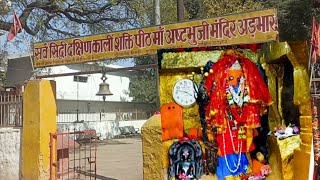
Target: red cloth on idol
x=228 y=143
x=259 y=96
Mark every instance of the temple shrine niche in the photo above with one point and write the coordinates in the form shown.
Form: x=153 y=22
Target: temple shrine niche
x=234 y=102
x=232 y=112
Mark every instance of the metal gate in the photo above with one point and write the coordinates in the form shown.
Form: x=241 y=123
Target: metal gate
x=11 y=109
x=73 y=155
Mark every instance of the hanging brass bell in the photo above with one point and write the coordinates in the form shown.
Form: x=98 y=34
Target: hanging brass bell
x=104 y=90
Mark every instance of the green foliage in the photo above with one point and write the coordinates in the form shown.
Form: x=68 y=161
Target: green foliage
x=221 y=7
x=295 y=18
x=143 y=83
x=193 y=9
x=142 y=88
x=145 y=11
x=3 y=79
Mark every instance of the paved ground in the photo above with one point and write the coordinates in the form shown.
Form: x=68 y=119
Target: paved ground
x=120 y=159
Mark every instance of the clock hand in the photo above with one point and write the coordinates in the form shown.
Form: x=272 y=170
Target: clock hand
x=185 y=92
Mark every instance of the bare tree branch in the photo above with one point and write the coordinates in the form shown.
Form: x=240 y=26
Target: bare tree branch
x=62 y=11
x=78 y=20
x=5 y=25
x=87 y=12
x=48 y=26
x=25 y=15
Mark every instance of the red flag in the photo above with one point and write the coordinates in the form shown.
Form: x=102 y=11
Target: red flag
x=318 y=40
x=314 y=40
x=15 y=28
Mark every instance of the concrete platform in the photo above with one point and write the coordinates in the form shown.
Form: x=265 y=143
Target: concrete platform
x=120 y=159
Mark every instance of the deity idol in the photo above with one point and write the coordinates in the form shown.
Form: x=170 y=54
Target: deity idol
x=238 y=97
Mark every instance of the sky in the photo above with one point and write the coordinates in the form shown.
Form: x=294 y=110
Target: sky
x=17 y=45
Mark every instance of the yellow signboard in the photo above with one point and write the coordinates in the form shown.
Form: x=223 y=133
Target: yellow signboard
x=246 y=28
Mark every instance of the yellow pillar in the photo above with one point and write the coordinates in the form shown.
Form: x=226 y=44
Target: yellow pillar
x=152 y=149
x=297 y=53
x=302 y=154
x=39 y=120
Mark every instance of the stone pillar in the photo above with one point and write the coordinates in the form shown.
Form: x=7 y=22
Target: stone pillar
x=39 y=120
x=152 y=149
x=302 y=154
x=297 y=53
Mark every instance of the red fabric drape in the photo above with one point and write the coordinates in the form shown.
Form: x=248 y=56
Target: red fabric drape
x=257 y=91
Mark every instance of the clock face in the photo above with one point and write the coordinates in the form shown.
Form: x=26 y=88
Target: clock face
x=184 y=92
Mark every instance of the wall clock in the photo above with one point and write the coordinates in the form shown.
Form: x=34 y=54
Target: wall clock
x=184 y=93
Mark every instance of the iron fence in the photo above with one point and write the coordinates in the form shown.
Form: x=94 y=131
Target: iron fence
x=11 y=109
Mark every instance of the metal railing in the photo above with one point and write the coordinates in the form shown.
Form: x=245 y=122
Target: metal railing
x=78 y=116
x=73 y=155
x=11 y=109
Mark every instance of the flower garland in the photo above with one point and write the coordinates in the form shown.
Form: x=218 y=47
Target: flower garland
x=236 y=97
x=234 y=149
x=232 y=142
x=225 y=156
